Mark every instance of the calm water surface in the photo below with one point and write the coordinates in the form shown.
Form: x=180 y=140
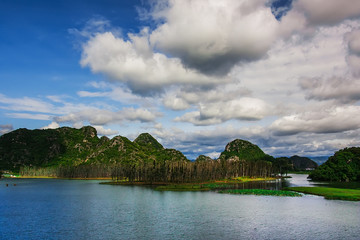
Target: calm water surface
x=75 y=209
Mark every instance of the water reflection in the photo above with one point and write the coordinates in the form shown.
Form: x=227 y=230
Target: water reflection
x=301 y=180
x=295 y=180
x=270 y=185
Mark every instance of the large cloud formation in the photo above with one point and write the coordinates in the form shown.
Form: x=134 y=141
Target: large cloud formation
x=196 y=43
x=212 y=36
x=133 y=62
x=330 y=120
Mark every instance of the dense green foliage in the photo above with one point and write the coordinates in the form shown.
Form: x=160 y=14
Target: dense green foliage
x=203 y=158
x=344 y=166
x=186 y=171
x=283 y=165
x=330 y=193
x=24 y=147
x=261 y=192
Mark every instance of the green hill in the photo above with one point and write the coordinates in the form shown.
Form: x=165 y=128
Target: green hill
x=344 y=166
x=243 y=150
x=302 y=163
x=148 y=141
x=72 y=147
x=203 y=158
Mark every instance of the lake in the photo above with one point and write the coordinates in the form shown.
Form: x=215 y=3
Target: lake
x=84 y=209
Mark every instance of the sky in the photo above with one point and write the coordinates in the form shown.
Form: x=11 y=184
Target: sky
x=282 y=74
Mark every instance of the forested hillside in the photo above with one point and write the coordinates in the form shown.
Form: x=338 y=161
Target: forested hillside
x=344 y=166
x=73 y=147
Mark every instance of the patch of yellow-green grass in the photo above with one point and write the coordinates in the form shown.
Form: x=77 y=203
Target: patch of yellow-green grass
x=262 y=192
x=247 y=179
x=51 y=177
x=330 y=193
x=22 y=176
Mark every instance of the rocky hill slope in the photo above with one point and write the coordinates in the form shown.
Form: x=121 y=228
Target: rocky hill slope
x=243 y=150
x=72 y=147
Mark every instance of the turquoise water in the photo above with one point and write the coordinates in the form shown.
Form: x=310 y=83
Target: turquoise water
x=79 y=209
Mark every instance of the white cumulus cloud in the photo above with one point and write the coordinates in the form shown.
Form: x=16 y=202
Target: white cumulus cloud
x=246 y=108
x=212 y=36
x=100 y=117
x=105 y=131
x=52 y=125
x=132 y=62
x=329 y=120
x=327 y=12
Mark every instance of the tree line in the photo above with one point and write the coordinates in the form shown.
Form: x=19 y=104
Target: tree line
x=160 y=171
x=184 y=171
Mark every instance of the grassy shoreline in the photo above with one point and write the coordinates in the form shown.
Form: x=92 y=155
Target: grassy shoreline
x=51 y=177
x=329 y=193
x=263 y=192
x=197 y=186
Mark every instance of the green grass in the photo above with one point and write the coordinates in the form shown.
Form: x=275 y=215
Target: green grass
x=9 y=175
x=219 y=185
x=261 y=192
x=330 y=193
x=199 y=186
x=195 y=187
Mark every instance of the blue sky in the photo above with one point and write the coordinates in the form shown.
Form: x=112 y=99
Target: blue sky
x=194 y=74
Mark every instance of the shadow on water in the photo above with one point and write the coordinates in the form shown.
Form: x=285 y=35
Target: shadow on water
x=301 y=180
x=348 y=185
x=296 y=180
x=269 y=185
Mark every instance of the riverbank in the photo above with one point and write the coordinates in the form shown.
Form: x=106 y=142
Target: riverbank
x=264 y=192
x=197 y=186
x=330 y=193
x=52 y=177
